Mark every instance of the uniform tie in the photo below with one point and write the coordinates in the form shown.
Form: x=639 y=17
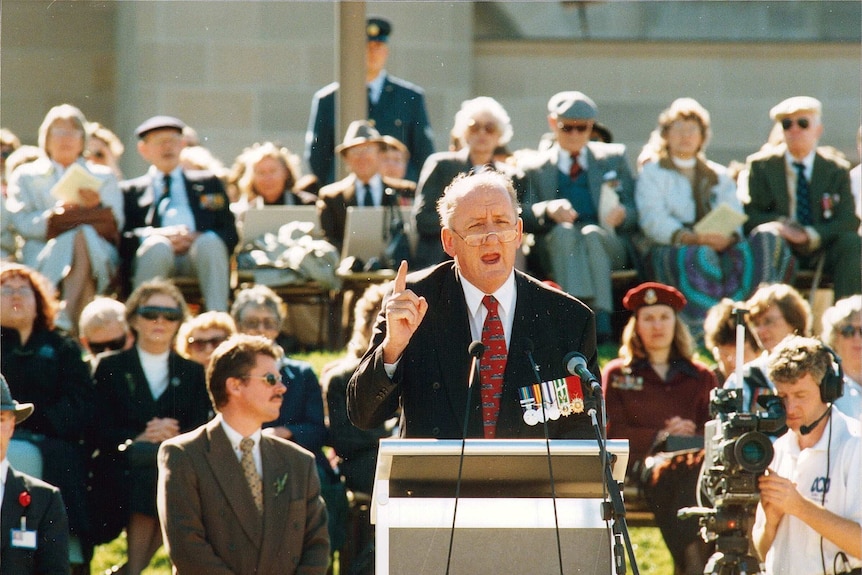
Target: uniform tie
x=367 y=198
x=491 y=371
x=803 y=197
x=251 y=476
x=575 y=170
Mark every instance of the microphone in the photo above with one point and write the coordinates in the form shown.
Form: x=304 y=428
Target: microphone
x=576 y=364
x=806 y=429
x=528 y=351
x=476 y=349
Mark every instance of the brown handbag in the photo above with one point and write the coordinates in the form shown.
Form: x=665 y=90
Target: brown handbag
x=101 y=218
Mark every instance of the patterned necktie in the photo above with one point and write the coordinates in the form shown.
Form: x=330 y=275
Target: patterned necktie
x=575 y=170
x=165 y=199
x=803 y=197
x=491 y=371
x=251 y=476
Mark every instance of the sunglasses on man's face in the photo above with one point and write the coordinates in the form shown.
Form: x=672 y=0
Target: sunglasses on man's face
x=152 y=313
x=849 y=331
x=569 y=128
x=803 y=123
x=111 y=345
x=270 y=378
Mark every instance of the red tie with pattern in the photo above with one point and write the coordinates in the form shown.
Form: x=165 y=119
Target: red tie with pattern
x=575 y=170
x=491 y=371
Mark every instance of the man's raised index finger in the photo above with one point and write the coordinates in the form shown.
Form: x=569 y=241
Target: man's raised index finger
x=401 y=277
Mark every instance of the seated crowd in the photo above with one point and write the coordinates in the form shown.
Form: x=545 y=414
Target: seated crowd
x=97 y=336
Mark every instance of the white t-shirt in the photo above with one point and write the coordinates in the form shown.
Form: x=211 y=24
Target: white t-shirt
x=796 y=548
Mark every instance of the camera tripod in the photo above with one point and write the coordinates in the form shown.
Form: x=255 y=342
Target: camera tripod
x=731 y=557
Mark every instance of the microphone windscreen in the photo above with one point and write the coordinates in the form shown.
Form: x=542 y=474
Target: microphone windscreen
x=476 y=349
x=528 y=345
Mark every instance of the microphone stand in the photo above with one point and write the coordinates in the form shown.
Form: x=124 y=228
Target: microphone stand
x=614 y=509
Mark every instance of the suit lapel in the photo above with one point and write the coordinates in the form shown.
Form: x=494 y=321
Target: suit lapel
x=228 y=472
x=12 y=510
x=778 y=182
x=452 y=343
x=139 y=389
x=519 y=371
x=594 y=176
x=275 y=501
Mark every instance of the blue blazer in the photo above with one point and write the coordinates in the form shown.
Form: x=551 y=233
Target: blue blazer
x=399 y=113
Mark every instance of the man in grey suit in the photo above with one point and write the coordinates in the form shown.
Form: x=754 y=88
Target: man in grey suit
x=234 y=500
x=578 y=200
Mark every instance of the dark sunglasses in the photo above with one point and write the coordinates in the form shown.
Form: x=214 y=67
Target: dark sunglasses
x=568 y=128
x=488 y=128
x=803 y=123
x=202 y=344
x=270 y=378
x=111 y=345
x=849 y=331
x=153 y=313
x=98 y=155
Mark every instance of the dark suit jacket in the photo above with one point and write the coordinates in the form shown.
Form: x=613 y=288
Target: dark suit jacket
x=431 y=380
x=399 y=113
x=207 y=199
x=335 y=198
x=209 y=521
x=769 y=201
x=46 y=514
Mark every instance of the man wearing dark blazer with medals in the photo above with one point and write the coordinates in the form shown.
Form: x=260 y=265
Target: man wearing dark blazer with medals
x=802 y=193
x=418 y=358
x=232 y=499
x=178 y=222
x=395 y=107
x=35 y=529
x=364 y=185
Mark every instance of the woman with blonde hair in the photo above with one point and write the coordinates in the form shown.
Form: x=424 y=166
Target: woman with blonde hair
x=677 y=189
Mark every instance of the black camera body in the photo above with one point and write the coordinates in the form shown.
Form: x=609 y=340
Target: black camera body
x=738 y=448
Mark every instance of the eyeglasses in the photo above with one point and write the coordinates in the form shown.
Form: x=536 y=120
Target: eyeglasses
x=849 y=331
x=568 y=128
x=98 y=155
x=65 y=132
x=476 y=240
x=153 y=313
x=803 y=123
x=271 y=379
x=111 y=345
x=9 y=291
x=259 y=323
x=488 y=127
x=201 y=344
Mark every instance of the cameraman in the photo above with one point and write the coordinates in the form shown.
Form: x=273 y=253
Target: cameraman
x=809 y=519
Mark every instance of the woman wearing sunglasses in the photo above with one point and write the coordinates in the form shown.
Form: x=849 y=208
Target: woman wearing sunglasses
x=678 y=187
x=199 y=336
x=145 y=395
x=44 y=366
x=481 y=125
x=842 y=331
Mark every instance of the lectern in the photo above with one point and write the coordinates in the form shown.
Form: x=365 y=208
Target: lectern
x=505 y=520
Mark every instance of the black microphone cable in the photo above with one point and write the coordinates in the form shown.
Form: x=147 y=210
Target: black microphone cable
x=528 y=350
x=476 y=349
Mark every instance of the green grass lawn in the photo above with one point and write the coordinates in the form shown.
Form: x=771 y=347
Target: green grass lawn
x=650 y=551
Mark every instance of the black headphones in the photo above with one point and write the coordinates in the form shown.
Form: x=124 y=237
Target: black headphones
x=832 y=384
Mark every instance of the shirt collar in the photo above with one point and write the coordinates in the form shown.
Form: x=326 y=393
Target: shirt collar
x=564 y=162
x=376 y=85
x=4 y=470
x=807 y=161
x=505 y=295
x=235 y=436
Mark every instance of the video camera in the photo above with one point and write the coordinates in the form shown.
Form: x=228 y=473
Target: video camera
x=737 y=452
x=737 y=446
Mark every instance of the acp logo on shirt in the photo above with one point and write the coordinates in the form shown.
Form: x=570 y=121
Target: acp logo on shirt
x=820 y=485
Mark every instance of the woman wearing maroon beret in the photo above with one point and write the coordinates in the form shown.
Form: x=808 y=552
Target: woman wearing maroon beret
x=658 y=398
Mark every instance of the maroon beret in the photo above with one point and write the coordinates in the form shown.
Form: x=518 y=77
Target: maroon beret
x=653 y=293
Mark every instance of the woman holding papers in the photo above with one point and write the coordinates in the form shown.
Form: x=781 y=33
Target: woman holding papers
x=691 y=217
x=74 y=257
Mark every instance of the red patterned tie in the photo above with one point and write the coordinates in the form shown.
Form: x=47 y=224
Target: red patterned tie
x=575 y=170
x=491 y=371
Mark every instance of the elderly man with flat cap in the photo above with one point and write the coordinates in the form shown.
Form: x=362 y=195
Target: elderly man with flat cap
x=396 y=108
x=34 y=529
x=362 y=150
x=178 y=222
x=802 y=193
x=578 y=200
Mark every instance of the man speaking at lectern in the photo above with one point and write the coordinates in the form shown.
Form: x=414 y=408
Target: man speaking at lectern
x=418 y=358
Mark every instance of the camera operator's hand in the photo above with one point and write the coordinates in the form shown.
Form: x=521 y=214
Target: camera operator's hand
x=777 y=495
